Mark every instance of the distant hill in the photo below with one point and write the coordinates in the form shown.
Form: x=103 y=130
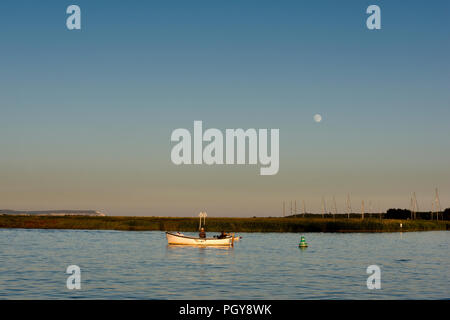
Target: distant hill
x=53 y=213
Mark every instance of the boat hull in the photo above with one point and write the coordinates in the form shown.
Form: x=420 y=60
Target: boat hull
x=186 y=240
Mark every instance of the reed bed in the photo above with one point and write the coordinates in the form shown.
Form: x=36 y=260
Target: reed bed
x=308 y=224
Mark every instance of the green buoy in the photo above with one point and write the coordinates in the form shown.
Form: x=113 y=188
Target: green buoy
x=302 y=243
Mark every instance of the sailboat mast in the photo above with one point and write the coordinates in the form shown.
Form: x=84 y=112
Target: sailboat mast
x=349 y=206
x=362 y=210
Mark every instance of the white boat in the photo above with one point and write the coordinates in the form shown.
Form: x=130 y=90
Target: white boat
x=180 y=239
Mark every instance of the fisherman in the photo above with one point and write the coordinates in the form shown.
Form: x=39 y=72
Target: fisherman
x=222 y=235
x=202 y=233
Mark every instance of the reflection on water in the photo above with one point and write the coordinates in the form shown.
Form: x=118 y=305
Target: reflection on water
x=140 y=265
x=185 y=253
x=173 y=246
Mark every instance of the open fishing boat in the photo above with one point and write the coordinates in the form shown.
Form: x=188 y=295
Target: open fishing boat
x=180 y=239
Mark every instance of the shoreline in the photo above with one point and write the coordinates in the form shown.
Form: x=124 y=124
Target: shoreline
x=291 y=225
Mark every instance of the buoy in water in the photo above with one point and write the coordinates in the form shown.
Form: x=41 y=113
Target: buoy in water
x=302 y=243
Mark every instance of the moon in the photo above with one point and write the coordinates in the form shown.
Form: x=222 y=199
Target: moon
x=317 y=118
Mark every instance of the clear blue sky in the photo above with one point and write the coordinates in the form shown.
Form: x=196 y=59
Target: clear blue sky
x=86 y=116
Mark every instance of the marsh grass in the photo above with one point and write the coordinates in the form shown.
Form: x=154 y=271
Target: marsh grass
x=308 y=224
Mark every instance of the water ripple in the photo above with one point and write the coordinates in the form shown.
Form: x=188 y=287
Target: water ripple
x=140 y=265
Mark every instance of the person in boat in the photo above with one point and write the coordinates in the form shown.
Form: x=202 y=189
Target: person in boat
x=222 y=235
x=202 y=233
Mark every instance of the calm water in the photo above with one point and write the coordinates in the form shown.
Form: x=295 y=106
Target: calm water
x=140 y=265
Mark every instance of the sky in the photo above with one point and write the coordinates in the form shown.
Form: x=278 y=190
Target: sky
x=86 y=115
